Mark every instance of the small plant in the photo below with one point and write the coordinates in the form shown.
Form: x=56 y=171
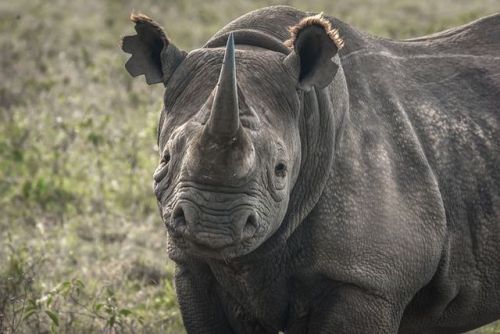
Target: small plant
x=67 y=307
x=69 y=302
x=16 y=286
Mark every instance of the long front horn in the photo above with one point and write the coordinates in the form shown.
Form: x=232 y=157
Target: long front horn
x=224 y=117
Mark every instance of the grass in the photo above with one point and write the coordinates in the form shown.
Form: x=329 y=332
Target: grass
x=80 y=237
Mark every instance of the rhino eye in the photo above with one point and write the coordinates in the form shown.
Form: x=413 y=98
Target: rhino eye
x=280 y=170
x=166 y=158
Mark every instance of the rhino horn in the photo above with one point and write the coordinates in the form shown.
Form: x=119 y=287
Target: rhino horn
x=224 y=116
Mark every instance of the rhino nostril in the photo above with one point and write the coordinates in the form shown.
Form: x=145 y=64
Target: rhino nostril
x=178 y=218
x=250 y=227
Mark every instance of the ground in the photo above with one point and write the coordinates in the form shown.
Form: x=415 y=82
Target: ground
x=81 y=243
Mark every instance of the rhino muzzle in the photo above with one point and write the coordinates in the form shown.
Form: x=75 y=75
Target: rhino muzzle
x=213 y=229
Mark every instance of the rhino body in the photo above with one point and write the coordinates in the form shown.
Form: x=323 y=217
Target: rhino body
x=392 y=220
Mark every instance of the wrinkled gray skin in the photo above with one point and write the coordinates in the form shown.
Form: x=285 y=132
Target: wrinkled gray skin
x=384 y=215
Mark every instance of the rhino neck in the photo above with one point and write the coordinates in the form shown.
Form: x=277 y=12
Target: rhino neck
x=320 y=130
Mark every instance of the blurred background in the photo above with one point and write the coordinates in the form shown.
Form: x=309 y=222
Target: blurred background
x=82 y=248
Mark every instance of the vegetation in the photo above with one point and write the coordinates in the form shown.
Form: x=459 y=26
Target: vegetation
x=81 y=243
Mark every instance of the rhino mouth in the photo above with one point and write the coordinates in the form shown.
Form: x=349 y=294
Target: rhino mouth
x=223 y=253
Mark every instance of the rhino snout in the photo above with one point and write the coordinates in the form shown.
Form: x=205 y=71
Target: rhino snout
x=213 y=229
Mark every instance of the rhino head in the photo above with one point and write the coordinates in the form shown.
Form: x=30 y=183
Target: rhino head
x=231 y=135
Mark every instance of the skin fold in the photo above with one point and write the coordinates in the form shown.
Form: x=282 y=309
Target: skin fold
x=340 y=183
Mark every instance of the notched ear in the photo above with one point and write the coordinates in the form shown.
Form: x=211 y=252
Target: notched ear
x=314 y=42
x=152 y=53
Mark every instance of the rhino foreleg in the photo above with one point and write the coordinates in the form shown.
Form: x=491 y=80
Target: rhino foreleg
x=352 y=310
x=200 y=306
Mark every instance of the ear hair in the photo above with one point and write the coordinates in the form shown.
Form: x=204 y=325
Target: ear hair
x=139 y=18
x=316 y=20
x=314 y=43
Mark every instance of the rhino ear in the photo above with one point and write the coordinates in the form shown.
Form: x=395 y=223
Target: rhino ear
x=314 y=42
x=152 y=53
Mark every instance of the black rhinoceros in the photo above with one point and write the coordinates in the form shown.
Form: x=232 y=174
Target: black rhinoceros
x=315 y=179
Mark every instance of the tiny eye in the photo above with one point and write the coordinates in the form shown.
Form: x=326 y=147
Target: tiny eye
x=166 y=158
x=280 y=170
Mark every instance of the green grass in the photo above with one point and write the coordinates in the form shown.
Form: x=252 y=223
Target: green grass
x=81 y=243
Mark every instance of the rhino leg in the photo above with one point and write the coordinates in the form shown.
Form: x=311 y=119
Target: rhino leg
x=351 y=310
x=201 y=309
